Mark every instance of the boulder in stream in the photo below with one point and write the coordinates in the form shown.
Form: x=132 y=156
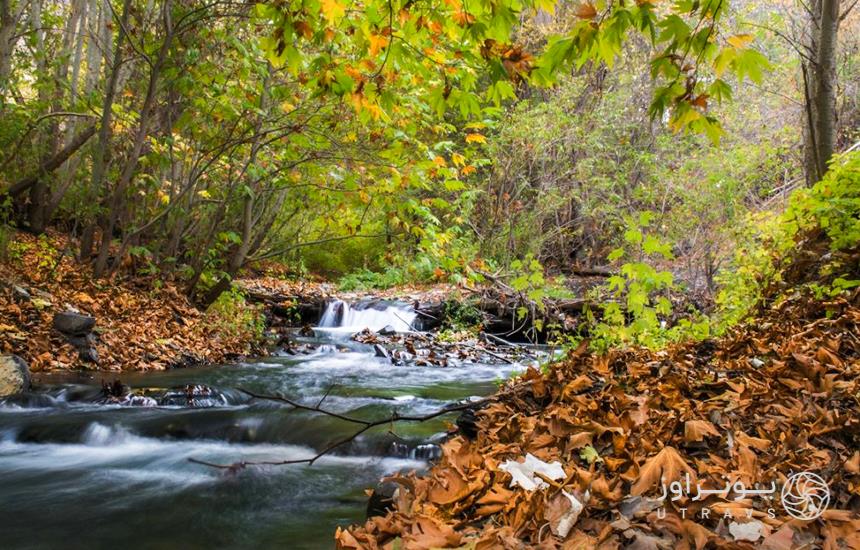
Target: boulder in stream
x=380 y=351
x=387 y=330
x=14 y=375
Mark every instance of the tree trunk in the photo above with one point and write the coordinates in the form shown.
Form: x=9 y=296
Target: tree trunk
x=825 y=100
x=102 y=148
x=819 y=76
x=9 y=17
x=141 y=134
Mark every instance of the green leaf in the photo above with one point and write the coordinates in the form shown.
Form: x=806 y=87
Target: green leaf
x=589 y=454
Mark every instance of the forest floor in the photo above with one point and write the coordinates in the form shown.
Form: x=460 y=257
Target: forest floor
x=141 y=323
x=575 y=457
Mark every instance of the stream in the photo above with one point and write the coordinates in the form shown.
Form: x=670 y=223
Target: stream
x=79 y=471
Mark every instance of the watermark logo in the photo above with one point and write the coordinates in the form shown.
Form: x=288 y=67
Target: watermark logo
x=805 y=496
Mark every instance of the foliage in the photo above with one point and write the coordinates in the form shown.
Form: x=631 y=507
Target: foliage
x=636 y=306
x=828 y=214
x=528 y=278
x=366 y=53
x=571 y=163
x=233 y=318
x=366 y=280
x=459 y=316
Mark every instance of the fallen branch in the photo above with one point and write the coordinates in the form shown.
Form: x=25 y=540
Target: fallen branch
x=365 y=426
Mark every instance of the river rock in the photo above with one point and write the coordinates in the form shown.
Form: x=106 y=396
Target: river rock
x=380 y=351
x=21 y=294
x=381 y=500
x=88 y=354
x=14 y=375
x=74 y=324
x=387 y=330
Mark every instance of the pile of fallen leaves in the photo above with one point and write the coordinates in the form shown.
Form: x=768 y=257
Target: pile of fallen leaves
x=140 y=324
x=770 y=399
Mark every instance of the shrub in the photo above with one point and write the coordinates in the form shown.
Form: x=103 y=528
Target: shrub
x=813 y=244
x=232 y=317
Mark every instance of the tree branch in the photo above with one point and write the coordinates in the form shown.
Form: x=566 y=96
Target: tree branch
x=365 y=425
x=51 y=164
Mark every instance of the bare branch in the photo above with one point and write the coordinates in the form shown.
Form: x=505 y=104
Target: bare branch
x=365 y=425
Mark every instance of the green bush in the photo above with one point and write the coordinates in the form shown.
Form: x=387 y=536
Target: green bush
x=364 y=279
x=774 y=256
x=634 y=303
x=233 y=317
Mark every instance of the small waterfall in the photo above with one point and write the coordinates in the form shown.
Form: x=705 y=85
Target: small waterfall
x=426 y=452
x=371 y=314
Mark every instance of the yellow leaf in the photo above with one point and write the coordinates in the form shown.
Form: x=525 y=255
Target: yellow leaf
x=475 y=138
x=332 y=10
x=377 y=43
x=458 y=159
x=740 y=40
x=681 y=121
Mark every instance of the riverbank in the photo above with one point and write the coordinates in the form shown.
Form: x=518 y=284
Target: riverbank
x=140 y=324
x=131 y=464
x=146 y=323
x=771 y=399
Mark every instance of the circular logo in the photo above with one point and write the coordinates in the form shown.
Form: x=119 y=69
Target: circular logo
x=805 y=496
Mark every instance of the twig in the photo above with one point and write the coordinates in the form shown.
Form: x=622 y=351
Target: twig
x=366 y=425
x=504 y=342
x=325 y=395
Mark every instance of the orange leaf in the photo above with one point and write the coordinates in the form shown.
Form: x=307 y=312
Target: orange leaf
x=586 y=11
x=696 y=430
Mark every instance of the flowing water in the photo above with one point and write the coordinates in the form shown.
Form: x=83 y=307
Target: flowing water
x=79 y=471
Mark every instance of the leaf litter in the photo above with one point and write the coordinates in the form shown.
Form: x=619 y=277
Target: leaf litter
x=699 y=412
x=141 y=324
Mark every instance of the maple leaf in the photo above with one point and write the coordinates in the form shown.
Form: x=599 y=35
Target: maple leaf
x=586 y=11
x=475 y=138
x=377 y=43
x=332 y=10
x=740 y=40
x=696 y=430
x=667 y=465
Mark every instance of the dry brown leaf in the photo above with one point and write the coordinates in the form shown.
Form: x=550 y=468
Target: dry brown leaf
x=666 y=466
x=696 y=430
